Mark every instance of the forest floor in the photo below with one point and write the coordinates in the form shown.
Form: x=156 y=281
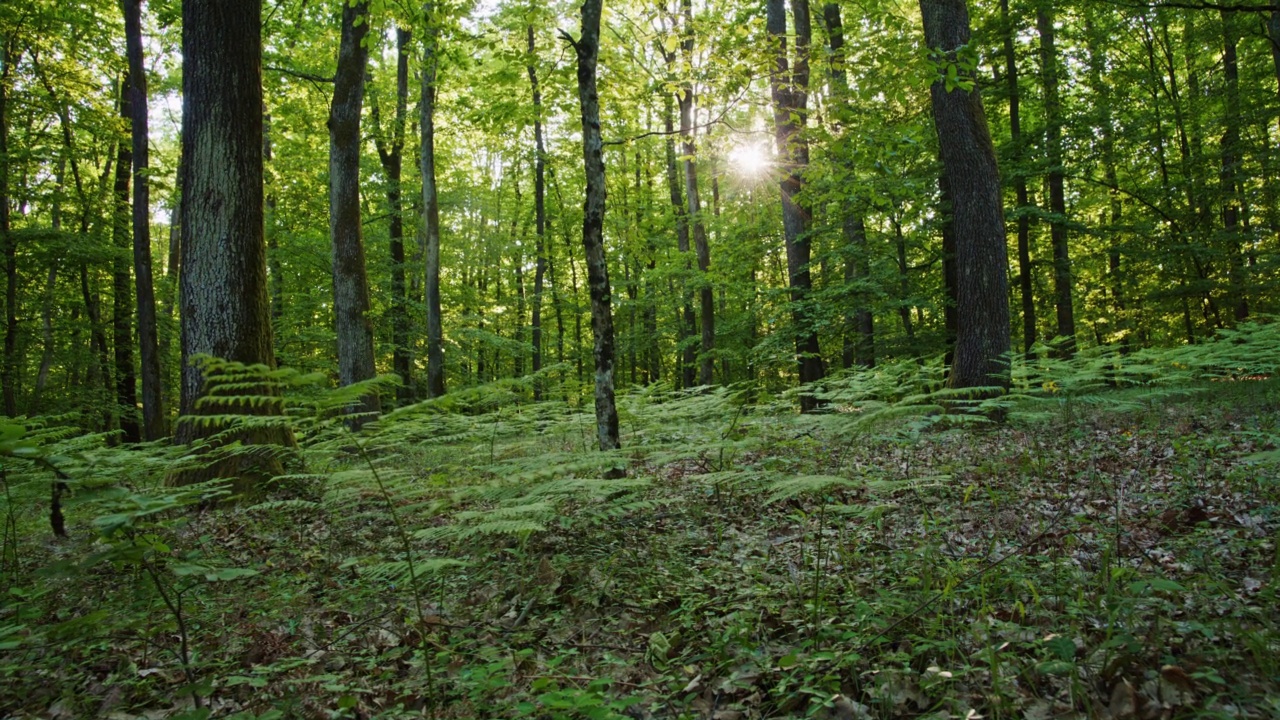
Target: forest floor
x=1107 y=558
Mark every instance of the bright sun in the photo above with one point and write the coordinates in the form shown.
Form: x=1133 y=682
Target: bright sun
x=749 y=160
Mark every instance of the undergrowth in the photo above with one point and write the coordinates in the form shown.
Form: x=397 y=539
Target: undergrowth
x=1110 y=549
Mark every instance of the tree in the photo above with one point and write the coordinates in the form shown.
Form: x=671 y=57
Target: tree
x=587 y=48
x=224 y=306
x=431 y=203
x=121 y=294
x=9 y=371
x=350 y=278
x=860 y=345
x=392 y=157
x=1022 y=208
x=1062 y=280
x=969 y=163
x=154 y=422
x=539 y=210
x=789 y=83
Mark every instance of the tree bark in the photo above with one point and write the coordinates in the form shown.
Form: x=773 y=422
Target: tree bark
x=224 y=304
x=588 y=52
x=350 y=276
x=1025 y=281
x=789 y=84
x=860 y=344
x=392 y=158
x=540 y=213
x=126 y=380
x=969 y=161
x=9 y=370
x=1062 y=283
x=154 y=420
x=431 y=206
x=1232 y=154
x=702 y=249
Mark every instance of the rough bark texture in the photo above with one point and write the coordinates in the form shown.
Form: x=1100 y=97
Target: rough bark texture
x=789 y=83
x=225 y=311
x=969 y=161
x=391 y=156
x=8 y=372
x=540 y=213
x=588 y=51
x=126 y=379
x=1025 y=284
x=1062 y=283
x=431 y=208
x=154 y=420
x=350 y=278
x=860 y=343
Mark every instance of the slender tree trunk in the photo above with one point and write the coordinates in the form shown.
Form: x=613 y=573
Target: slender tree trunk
x=1025 y=281
x=969 y=161
x=687 y=351
x=1106 y=132
x=350 y=276
x=100 y=372
x=702 y=249
x=904 y=280
x=1232 y=155
x=225 y=309
x=392 y=159
x=121 y=291
x=9 y=371
x=588 y=51
x=275 y=264
x=859 y=345
x=540 y=213
x=431 y=206
x=789 y=84
x=1062 y=283
x=154 y=421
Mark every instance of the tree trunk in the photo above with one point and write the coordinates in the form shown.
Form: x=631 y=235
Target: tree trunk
x=350 y=277
x=789 y=84
x=225 y=310
x=686 y=346
x=392 y=158
x=969 y=161
x=154 y=421
x=706 y=294
x=121 y=291
x=1025 y=282
x=1232 y=207
x=1062 y=284
x=540 y=214
x=588 y=51
x=1107 y=143
x=859 y=345
x=9 y=371
x=431 y=207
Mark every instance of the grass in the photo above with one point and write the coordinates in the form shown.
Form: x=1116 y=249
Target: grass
x=1083 y=561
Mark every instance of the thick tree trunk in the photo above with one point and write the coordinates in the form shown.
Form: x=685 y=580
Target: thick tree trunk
x=350 y=277
x=1026 y=287
x=9 y=369
x=154 y=421
x=1062 y=283
x=588 y=51
x=789 y=84
x=540 y=213
x=431 y=207
x=225 y=310
x=392 y=159
x=969 y=161
x=121 y=291
x=859 y=341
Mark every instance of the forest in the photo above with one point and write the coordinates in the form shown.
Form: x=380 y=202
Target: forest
x=611 y=359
